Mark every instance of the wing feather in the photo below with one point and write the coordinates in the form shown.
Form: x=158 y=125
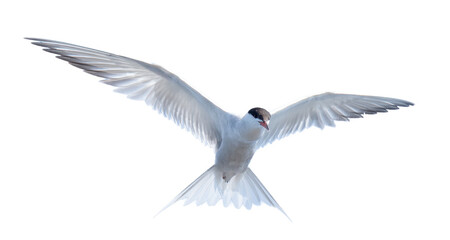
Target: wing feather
x=323 y=110
x=159 y=88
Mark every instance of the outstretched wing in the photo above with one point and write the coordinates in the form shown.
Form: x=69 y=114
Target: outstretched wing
x=159 y=88
x=322 y=110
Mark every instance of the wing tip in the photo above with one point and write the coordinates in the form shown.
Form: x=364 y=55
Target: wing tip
x=35 y=40
x=407 y=104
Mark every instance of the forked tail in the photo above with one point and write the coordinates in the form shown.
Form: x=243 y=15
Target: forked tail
x=243 y=189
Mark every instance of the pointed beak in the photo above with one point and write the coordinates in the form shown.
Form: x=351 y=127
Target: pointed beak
x=264 y=124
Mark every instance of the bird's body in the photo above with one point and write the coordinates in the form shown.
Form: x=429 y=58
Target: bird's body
x=233 y=156
x=238 y=146
x=234 y=139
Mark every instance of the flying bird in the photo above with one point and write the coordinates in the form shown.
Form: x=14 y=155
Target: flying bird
x=234 y=139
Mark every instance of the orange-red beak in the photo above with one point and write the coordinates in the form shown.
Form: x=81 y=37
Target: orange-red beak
x=264 y=124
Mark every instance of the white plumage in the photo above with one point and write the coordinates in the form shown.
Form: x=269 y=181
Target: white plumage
x=234 y=139
x=322 y=110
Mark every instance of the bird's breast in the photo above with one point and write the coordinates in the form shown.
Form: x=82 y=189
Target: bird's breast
x=234 y=156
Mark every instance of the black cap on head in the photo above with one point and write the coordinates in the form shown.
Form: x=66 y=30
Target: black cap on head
x=260 y=113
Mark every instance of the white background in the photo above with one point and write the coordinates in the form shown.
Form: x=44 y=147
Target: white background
x=78 y=161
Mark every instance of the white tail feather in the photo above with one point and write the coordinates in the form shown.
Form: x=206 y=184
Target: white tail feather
x=243 y=189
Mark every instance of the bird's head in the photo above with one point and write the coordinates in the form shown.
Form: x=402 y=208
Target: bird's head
x=261 y=116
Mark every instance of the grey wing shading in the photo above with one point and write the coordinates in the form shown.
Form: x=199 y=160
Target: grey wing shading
x=323 y=110
x=159 y=88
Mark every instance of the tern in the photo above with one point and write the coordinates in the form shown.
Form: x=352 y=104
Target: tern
x=234 y=139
